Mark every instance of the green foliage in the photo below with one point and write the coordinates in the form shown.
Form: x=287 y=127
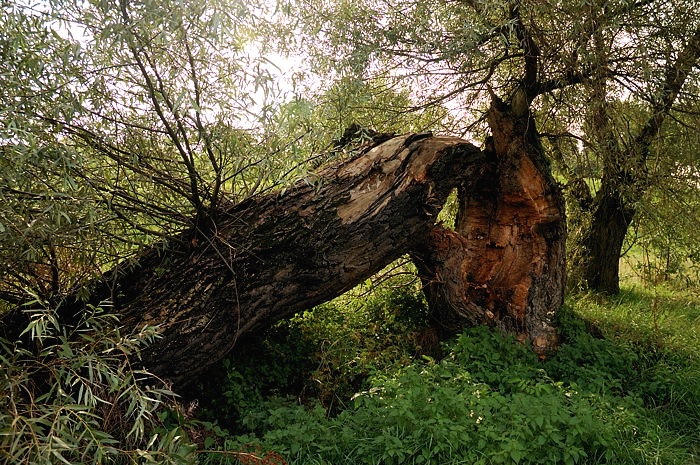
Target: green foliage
x=279 y=364
x=74 y=397
x=325 y=354
x=357 y=336
x=659 y=328
x=661 y=316
x=159 y=112
x=441 y=413
x=623 y=399
x=665 y=238
x=122 y=123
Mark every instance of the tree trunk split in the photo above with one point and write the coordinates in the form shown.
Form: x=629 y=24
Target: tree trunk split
x=270 y=257
x=504 y=265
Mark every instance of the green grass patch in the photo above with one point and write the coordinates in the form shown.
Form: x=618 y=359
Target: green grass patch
x=661 y=316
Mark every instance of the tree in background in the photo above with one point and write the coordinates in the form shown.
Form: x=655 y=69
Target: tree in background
x=496 y=58
x=665 y=225
x=587 y=55
x=665 y=41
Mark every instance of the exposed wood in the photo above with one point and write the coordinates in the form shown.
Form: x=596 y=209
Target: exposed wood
x=504 y=265
x=273 y=256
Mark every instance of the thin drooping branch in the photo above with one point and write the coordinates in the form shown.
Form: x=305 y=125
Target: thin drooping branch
x=531 y=52
x=154 y=89
x=202 y=131
x=675 y=77
x=274 y=255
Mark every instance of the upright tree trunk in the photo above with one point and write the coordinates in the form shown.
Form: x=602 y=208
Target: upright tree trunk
x=626 y=178
x=504 y=265
x=604 y=239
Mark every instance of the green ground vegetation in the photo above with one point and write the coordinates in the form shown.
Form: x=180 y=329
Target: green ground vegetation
x=356 y=381
x=356 y=388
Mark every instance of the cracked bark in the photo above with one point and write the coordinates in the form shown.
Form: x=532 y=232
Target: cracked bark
x=272 y=256
x=504 y=264
x=275 y=255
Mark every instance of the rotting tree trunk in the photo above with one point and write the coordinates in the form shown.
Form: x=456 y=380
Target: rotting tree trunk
x=276 y=255
x=504 y=265
x=273 y=256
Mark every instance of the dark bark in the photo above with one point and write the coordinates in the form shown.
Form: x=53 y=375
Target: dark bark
x=626 y=178
x=272 y=256
x=504 y=265
x=603 y=243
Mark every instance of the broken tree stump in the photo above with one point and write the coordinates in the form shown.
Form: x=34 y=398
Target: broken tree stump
x=504 y=264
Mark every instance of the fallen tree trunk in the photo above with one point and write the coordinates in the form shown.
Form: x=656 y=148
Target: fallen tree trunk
x=270 y=257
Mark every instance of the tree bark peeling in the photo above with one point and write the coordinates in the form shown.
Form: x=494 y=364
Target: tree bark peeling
x=273 y=256
x=504 y=265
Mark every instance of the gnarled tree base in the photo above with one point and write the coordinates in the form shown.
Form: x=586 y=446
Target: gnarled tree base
x=504 y=265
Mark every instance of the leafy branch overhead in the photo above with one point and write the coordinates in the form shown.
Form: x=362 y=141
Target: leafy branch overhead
x=177 y=177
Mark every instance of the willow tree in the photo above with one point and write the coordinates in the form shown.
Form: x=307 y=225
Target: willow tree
x=665 y=40
x=492 y=63
x=148 y=113
x=564 y=61
x=146 y=129
x=125 y=126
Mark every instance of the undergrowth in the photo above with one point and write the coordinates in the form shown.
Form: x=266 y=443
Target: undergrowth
x=621 y=390
x=321 y=356
x=69 y=395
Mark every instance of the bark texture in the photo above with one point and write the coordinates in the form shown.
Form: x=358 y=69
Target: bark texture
x=504 y=265
x=603 y=242
x=272 y=256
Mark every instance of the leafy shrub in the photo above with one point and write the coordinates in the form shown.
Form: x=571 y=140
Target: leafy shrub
x=76 y=398
x=454 y=411
x=488 y=401
x=324 y=354
x=277 y=364
x=355 y=337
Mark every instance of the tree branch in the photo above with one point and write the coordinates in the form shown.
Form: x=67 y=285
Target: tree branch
x=675 y=76
x=151 y=87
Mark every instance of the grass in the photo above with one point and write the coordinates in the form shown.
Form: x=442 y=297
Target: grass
x=665 y=317
x=661 y=325
x=623 y=389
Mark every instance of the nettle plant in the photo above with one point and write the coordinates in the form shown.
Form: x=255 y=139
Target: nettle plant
x=71 y=395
